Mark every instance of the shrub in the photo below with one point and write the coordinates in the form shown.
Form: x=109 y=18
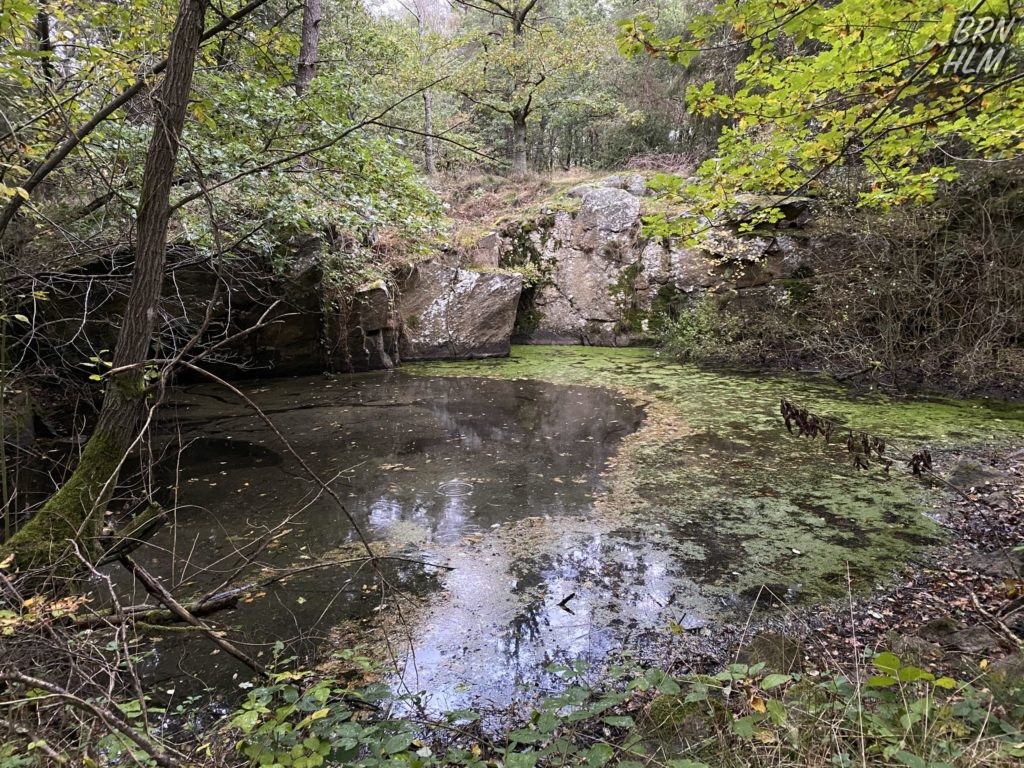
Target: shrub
x=703 y=332
x=896 y=714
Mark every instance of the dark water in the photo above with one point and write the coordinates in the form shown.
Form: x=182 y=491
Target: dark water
x=564 y=542
x=431 y=467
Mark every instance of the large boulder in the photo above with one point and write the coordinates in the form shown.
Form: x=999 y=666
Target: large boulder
x=486 y=252
x=578 y=305
x=453 y=313
x=583 y=261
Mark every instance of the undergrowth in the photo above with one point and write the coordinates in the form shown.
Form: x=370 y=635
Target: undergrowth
x=882 y=713
x=889 y=714
x=919 y=297
x=703 y=332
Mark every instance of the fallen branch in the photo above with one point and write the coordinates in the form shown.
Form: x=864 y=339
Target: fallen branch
x=160 y=592
x=1011 y=637
x=112 y=720
x=147 y=614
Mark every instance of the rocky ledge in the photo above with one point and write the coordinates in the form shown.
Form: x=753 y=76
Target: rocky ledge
x=595 y=277
x=582 y=271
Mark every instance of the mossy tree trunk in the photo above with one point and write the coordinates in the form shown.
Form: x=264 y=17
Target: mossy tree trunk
x=74 y=513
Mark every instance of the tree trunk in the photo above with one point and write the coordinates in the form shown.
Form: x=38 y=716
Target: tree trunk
x=75 y=512
x=519 y=168
x=541 y=158
x=429 y=156
x=423 y=14
x=45 y=44
x=309 y=48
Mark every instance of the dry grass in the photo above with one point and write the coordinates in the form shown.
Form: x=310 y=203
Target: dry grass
x=478 y=202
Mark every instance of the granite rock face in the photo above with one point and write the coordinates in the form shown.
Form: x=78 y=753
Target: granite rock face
x=601 y=281
x=364 y=329
x=453 y=313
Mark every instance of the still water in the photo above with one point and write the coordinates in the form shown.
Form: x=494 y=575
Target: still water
x=581 y=501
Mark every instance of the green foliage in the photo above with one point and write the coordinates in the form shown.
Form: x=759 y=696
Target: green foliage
x=548 y=73
x=851 y=83
x=284 y=724
x=901 y=715
x=298 y=722
x=904 y=296
x=258 y=167
x=701 y=331
x=743 y=715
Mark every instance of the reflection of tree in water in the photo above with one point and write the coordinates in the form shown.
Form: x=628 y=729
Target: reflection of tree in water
x=603 y=574
x=524 y=628
x=424 y=462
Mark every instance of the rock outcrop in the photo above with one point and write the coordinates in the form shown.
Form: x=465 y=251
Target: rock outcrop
x=262 y=320
x=582 y=274
x=300 y=319
x=363 y=329
x=597 y=279
x=453 y=313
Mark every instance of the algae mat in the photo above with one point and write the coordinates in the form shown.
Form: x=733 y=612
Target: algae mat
x=713 y=477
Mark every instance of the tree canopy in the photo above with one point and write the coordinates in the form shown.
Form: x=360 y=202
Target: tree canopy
x=258 y=163
x=854 y=83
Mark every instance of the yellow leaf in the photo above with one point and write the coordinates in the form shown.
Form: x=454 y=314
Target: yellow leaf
x=757 y=704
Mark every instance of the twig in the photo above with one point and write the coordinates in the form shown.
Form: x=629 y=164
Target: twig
x=160 y=592
x=161 y=756
x=1007 y=633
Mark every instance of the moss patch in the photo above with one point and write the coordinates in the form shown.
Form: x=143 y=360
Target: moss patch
x=73 y=513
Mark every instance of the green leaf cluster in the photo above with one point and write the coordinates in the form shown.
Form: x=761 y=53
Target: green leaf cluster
x=855 y=84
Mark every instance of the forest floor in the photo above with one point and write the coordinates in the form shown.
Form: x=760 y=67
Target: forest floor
x=963 y=610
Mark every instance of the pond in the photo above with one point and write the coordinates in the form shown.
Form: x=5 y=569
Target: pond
x=585 y=500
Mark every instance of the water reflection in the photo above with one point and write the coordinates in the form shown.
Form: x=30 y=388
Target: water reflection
x=426 y=464
x=491 y=636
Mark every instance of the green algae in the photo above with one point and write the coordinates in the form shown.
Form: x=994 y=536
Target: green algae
x=744 y=504
x=696 y=391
